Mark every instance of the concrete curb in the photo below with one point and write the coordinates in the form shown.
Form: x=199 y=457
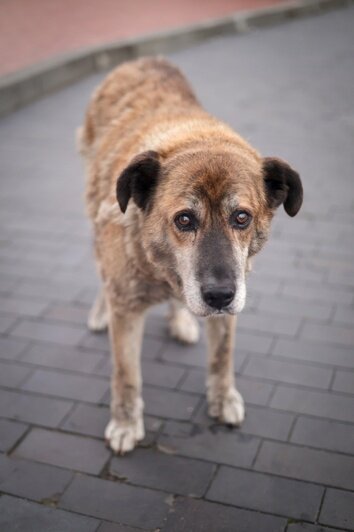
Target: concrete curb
x=25 y=86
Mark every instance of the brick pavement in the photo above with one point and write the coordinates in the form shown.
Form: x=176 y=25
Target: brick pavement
x=289 y=89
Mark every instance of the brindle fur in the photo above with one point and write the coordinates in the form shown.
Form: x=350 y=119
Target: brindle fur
x=145 y=125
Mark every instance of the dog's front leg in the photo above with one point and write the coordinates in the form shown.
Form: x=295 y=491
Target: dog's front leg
x=126 y=426
x=224 y=401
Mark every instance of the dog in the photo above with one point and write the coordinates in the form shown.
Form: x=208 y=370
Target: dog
x=179 y=204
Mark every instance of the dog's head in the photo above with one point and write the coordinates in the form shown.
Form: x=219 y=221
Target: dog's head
x=205 y=214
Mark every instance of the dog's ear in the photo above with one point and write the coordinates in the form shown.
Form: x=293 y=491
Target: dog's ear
x=283 y=185
x=138 y=180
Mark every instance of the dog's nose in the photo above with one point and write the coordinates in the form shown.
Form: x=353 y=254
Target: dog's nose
x=218 y=296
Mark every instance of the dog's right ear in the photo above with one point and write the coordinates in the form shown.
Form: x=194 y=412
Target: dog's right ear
x=138 y=180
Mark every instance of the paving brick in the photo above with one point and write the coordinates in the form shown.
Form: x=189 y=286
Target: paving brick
x=306 y=464
x=167 y=403
x=48 y=332
x=287 y=306
x=63 y=450
x=221 y=445
x=293 y=373
x=33 y=409
x=111 y=527
x=338 y=509
x=305 y=527
x=67 y=358
x=66 y=385
x=17 y=515
x=6 y=322
x=33 y=481
x=150 y=349
x=252 y=390
x=22 y=307
x=161 y=471
x=266 y=493
x=332 y=334
x=269 y=324
x=67 y=313
x=315 y=352
x=344 y=382
x=317 y=292
x=201 y=516
x=10 y=433
x=253 y=343
x=324 y=434
x=46 y=291
x=12 y=375
x=177 y=428
x=161 y=374
x=11 y=348
x=330 y=405
x=344 y=315
x=115 y=504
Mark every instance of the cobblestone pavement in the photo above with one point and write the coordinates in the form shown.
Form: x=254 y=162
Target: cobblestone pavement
x=289 y=89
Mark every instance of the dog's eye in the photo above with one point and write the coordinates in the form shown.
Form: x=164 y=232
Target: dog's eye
x=241 y=219
x=185 y=221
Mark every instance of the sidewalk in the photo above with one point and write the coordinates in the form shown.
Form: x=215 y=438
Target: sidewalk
x=33 y=31
x=289 y=90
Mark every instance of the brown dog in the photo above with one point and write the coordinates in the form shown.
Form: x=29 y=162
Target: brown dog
x=195 y=203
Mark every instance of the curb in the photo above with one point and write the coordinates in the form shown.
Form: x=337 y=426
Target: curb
x=25 y=86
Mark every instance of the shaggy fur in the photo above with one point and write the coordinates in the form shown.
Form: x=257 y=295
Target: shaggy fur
x=168 y=187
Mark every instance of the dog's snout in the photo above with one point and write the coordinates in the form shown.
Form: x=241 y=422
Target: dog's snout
x=218 y=297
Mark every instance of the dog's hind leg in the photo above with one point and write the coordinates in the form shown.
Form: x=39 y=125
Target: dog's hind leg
x=183 y=326
x=224 y=401
x=98 y=315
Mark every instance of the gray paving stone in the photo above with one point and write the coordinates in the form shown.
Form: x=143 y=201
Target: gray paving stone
x=177 y=428
x=344 y=315
x=266 y=493
x=151 y=347
x=152 y=469
x=317 y=292
x=11 y=348
x=22 y=307
x=279 y=325
x=283 y=371
x=306 y=464
x=338 y=509
x=10 y=433
x=287 y=306
x=66 y=385
x=315 y=352
x=44 y=411
x=33 y=481
x=201 y=516
x=111 y=527
x=6 y=322
x=48 y=332
x=332 y=334
x=221 y=445
x=315 y=403
x=162 y=374
x=67 y=358
x=46 y=291
x=344 y=382
x=67 y=313
x=63 y=450
x=252 y=390
x=324 y=434
x=305 y=527
x=17 y=515
x=167 y=403
x=12 y=375
x=115 y=503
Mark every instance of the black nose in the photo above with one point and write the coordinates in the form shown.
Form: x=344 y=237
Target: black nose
x=218 y=296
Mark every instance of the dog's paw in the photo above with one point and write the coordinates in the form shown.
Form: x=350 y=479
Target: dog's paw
x=229 y=408
x=184 y=327
x=98 y=316
x=123 y=438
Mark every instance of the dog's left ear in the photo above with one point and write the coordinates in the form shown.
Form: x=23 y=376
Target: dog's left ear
x=283 y=185
x=138 y=180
